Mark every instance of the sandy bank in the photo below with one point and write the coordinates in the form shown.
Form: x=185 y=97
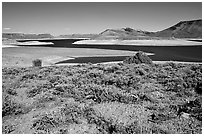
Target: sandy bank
x=34 y=43
x=8 y=46
x=51 y=60
x=140 y=42
x=23 y=56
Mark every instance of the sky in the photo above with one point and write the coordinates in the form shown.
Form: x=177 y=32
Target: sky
x=59 y=18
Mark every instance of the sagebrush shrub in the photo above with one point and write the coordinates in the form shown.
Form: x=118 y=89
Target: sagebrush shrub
x=115 y=98
x=37 y=63
x=9 y=106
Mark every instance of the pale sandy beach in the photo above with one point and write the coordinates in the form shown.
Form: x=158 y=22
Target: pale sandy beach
x=8 y=46
x=141 y=42
x=14 y=43
x=34 y=43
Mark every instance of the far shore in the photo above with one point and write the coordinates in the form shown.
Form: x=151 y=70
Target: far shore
x=164 y=42
x=176 y=42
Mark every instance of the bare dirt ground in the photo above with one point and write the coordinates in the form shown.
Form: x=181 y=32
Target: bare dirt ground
x=23 y=56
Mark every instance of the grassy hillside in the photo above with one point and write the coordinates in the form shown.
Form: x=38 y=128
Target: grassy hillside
x=111 y=98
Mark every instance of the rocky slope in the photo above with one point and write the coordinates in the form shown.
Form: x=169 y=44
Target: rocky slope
x=183 y=29
x=124 y=34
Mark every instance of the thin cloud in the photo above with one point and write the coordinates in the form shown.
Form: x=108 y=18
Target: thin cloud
x=6 y=28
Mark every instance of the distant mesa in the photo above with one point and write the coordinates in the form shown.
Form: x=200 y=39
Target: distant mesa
x=77 y=36
x=25 y=36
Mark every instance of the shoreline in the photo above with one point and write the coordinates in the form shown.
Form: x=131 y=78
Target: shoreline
x=50 y=56
x=114 y=62
x=177 y=42
x=106 y=63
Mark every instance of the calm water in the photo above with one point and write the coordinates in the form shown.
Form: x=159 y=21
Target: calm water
x=167 y=53
x=162 y=53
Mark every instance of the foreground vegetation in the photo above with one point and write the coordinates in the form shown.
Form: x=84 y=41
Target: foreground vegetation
x=111 y=98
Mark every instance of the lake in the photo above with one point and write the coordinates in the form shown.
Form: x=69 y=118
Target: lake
x=161 y=53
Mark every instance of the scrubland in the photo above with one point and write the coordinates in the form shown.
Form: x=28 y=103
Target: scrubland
x=103 y=99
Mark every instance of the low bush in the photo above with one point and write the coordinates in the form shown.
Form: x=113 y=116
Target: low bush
x=37 y=63
x=9 y=106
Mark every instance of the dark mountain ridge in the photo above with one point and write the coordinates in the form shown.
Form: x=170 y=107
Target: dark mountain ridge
x=183 y=29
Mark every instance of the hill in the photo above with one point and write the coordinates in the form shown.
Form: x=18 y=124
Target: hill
x=183 y=29
x=123 y=34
